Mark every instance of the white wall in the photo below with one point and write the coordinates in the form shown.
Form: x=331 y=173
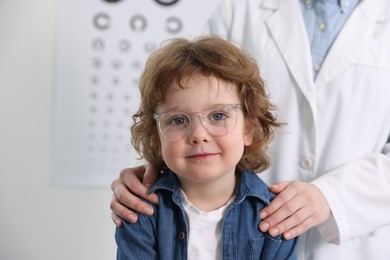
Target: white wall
x=39 y=221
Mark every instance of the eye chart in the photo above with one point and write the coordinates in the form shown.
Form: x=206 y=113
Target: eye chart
x=101 y=49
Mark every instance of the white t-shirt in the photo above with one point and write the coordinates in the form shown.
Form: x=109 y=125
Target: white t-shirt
x=204 y=228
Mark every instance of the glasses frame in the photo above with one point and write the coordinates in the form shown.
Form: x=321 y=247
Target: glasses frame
x=158 y=116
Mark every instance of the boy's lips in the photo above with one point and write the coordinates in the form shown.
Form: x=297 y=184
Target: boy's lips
x=201 y=156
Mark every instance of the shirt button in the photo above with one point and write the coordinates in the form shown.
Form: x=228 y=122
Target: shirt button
x=182 y=235
x=306 y=163
x=317 y=67
x=322 y=26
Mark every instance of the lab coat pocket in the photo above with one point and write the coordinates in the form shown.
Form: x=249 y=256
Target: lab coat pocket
x=375 y=57
x=371 y=72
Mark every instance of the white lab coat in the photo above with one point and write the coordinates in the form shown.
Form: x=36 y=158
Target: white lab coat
x=337 y=126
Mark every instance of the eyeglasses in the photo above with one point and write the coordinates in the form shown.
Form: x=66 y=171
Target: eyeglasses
x=218 y=120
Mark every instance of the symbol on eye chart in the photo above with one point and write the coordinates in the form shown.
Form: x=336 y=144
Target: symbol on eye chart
x=138 y=23
x=93 y=95
x=127 y=97
x=134 y=81
x=174 y=25
x=95 y=80
x=166 y=2
x=116 y=64
x=124 y=45
x=115 y=81
x=110 y=96
x=93 y=110
x=106 y=124
x=98 y=44
x=96 y=63
x=136 y=65
x=150 y=46
x=109 y=110
x=101 y=21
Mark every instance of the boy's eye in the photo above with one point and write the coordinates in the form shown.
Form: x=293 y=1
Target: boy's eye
x=217 y=116
x=179 y=120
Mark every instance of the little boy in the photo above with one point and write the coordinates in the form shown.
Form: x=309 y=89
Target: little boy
x=206 y=121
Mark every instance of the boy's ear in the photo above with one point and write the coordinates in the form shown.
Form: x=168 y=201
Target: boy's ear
x=248 y=135
x=159 y=150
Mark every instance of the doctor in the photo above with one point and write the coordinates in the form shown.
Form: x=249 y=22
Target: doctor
x=328 y=72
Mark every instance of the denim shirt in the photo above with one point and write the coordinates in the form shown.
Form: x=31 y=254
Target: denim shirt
x=165 y=234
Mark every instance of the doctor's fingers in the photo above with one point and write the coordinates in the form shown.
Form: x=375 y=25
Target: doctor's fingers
x=294 y=225
x=296 y=195
x=120 y=212
x=281 y=219
x=130 y=180
x=285 y=196
x=316 y=216
x=314 y=211
x=122 y=200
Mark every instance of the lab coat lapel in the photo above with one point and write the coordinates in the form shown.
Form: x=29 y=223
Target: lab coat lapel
x=288 y=30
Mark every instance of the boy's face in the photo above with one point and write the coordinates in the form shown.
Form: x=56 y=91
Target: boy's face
x=200 y=157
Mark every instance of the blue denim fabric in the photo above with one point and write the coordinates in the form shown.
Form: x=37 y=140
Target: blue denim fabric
x=164 y=235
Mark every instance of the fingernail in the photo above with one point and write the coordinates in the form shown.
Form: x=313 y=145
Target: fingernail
x=287 y=236
x=264 y=226
x=148 y=211
x=117 y=222
x=274 y=232
x=263 y=215
x=132 y=219
x=155 y=200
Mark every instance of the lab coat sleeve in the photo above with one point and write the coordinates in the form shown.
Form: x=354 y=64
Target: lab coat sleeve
x=358 y=194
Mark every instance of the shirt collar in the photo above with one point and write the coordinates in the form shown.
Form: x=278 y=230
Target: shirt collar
x=342 y=4
x=250 y=185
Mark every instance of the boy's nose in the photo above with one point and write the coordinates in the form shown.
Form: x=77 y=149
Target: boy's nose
x=198 y=132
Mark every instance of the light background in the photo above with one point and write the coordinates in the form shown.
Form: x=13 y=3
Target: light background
x=40 y=220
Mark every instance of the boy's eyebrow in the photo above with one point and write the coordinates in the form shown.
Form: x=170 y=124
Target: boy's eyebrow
x=176 y=108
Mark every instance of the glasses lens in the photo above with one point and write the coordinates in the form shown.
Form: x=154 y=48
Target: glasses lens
x=174 y=125
x=220 y=120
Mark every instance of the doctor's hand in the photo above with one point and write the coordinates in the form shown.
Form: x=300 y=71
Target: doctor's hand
x=133 y=180
x=297 y=207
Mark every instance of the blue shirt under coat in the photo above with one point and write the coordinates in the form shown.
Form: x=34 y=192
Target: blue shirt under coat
x=324 y=20
x=165 y=234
